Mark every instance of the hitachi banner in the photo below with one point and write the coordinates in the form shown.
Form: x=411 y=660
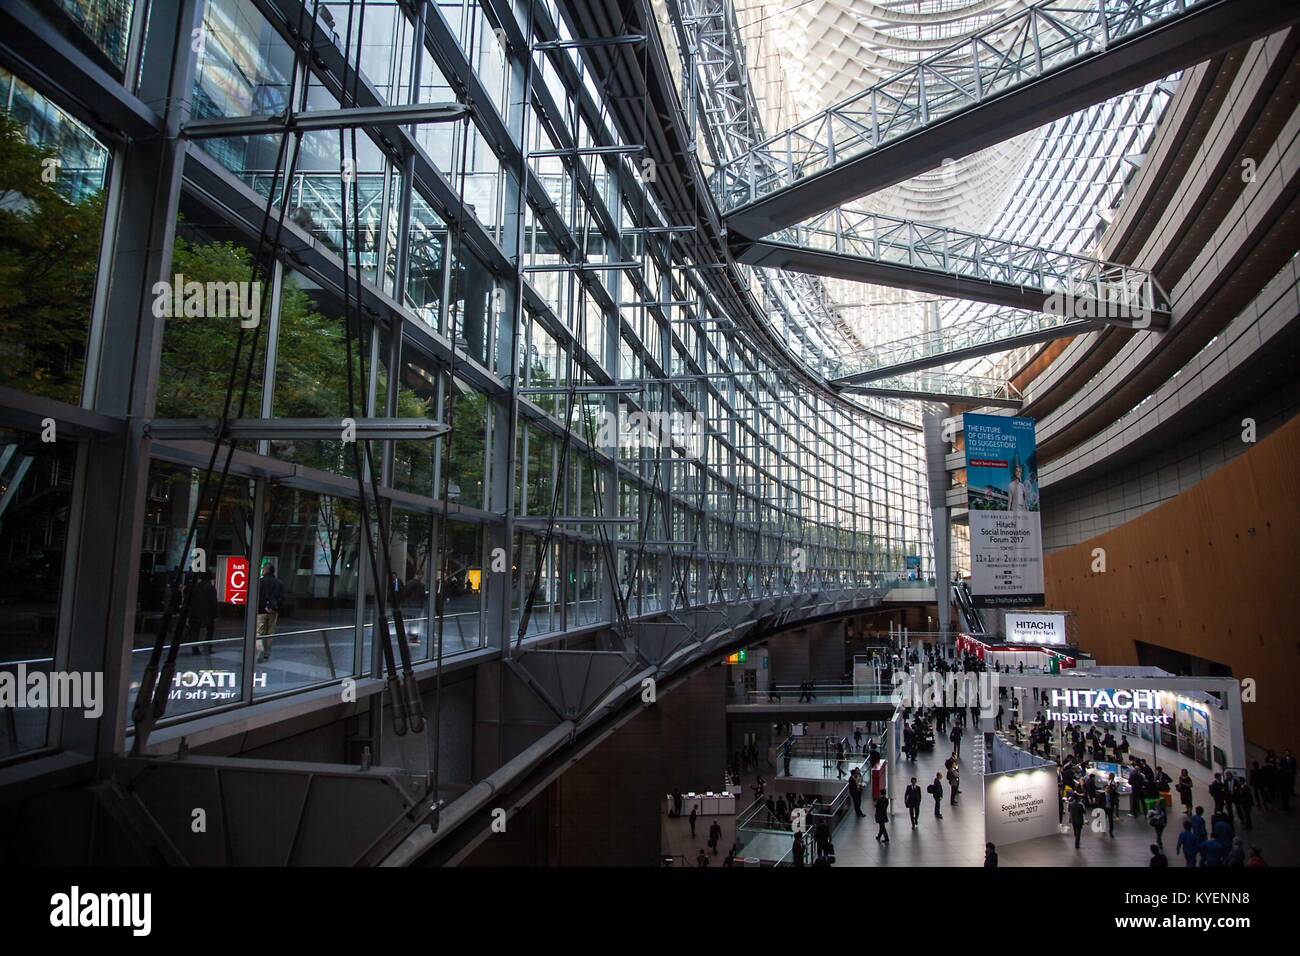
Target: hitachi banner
x=1006 y=539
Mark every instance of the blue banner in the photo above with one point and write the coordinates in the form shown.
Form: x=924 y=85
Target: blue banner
x=1006 y=541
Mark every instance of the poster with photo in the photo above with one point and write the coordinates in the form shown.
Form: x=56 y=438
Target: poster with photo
x=1201 y=735
x=1006 y=542
x=1168 y=726
x=1186 y=746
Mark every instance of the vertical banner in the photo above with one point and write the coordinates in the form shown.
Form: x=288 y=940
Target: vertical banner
x=1006 y=540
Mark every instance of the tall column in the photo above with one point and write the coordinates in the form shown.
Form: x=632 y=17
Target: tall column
x=936 y=449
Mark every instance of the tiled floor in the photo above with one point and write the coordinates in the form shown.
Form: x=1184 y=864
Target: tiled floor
x=956 y=840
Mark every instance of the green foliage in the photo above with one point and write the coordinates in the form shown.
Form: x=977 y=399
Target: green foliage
x=49 y=250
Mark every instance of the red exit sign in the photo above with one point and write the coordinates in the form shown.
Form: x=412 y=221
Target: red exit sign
x=232 y=579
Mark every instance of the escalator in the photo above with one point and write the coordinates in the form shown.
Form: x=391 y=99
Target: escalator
x=970 y=618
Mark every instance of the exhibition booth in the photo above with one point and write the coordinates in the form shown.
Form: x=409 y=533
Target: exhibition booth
x=1020 y=794
x=1018 y=656
x=1197 y=718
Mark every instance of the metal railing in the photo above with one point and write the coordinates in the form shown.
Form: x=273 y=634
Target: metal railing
x=1115 y=290
x=836 y=693
x=1011 y=52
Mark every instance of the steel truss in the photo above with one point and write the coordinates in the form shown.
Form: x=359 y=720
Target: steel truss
x=1035 y=65
x=939 y=385
x=972 y=338
x=867 y=247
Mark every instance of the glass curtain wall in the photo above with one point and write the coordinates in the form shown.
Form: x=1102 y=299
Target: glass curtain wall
x=720 y=478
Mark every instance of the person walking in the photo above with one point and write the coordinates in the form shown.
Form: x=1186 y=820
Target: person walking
x=715 y=834
x=1159 y=819
x=1189 y=845
x=1218 y=793
x=912 y=800
x=855 y=792
x=270 y=594
x=1109 y=798
x=936 y=790
x=786 y=753
x=202 y=611
x=694 y=814
x=955 y=737
x=1243 y=796
x=1184 y=788
x=990 y=855
x=882 y=817
x=1198 y=824
x=1286 y=769
x=1077 y=815
x=1158 y=857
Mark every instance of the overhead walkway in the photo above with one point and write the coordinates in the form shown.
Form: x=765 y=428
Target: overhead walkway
x=866 y=247
x=1034 y=66
x=972 y=338
x=825 y=701
x=940 y=385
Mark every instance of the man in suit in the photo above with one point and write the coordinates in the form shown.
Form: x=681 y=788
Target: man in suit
x=936 y=791
x=912 y=800
x=1077 y=816
x=202 y=610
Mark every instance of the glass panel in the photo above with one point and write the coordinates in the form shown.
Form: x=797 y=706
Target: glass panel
x=309 y=634
x=411 y=558
x=35 y=494
x=311 y=374
x=53 y=173
x=203 y=322
x=106 y=22
x=243 y=69
x=210 y=670
x=462 y=621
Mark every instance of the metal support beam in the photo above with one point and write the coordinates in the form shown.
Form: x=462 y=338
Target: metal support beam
x=949 y=387
x=294 y=429
x=903 y=254
x=1041 y=63
x=983 y=335
x=414 y=114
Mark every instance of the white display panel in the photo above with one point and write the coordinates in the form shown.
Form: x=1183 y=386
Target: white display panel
x=1026 y=628
x=1020 y=805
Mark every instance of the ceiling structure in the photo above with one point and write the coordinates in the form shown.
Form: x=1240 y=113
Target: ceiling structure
x=1054 y=187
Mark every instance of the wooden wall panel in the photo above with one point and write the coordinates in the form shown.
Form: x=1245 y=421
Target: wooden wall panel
x=1214 y=572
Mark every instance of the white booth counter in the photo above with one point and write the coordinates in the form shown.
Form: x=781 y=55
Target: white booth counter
x=710 y=804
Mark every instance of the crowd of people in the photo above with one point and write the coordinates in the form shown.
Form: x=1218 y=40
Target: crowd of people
x=1149 y=793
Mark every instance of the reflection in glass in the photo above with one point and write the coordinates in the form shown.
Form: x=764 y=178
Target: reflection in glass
x=199 y=350
x=52 y=177
x=210 y=670
x=311 y=543
x=35 y=492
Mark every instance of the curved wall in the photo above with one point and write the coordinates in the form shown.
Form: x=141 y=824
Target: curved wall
x=1212 y=574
